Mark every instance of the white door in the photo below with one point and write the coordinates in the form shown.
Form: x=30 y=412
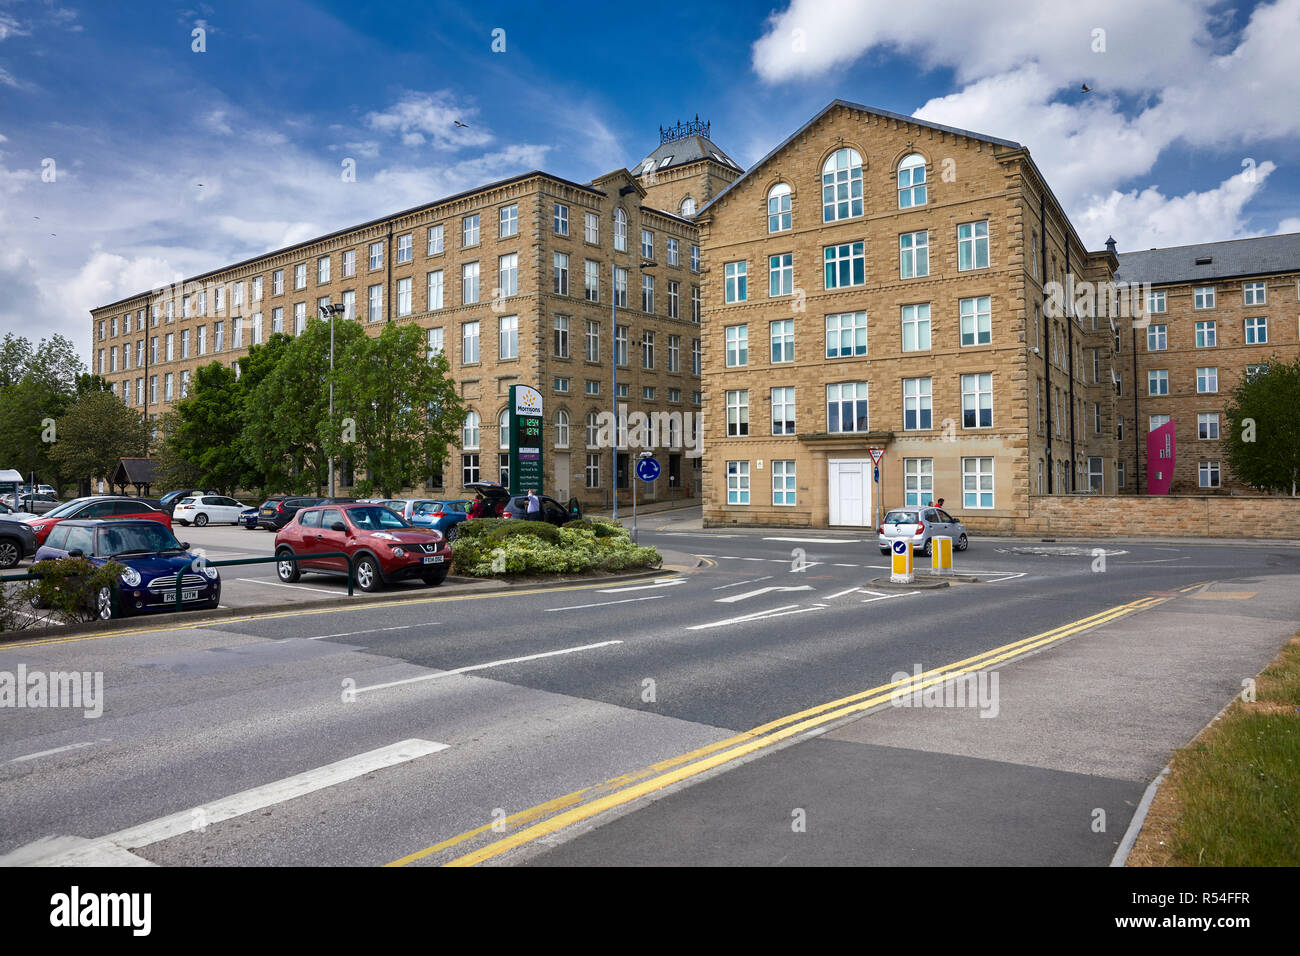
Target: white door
x=850 y=491
x=562 y=477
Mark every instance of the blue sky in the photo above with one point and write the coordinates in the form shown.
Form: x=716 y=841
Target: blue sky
x=1191 y=133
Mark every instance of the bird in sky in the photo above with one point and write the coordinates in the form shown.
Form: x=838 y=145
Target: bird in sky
x=459 y=123
x=1087 y=88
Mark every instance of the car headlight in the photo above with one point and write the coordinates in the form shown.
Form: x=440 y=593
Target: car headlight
x=131 y=577
x=399 y=552
x=210 y=572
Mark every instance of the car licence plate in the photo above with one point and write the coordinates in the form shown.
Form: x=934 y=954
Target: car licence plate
x=185 y=595
x=436 y=559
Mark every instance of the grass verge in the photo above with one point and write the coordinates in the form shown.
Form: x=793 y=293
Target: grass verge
x=1232 y=797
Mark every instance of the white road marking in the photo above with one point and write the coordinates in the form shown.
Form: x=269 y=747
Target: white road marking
x=239 y=804
x=296 y=587
x=749 y=594
x=479 y=667
x=886 y=597
x=758 y=615
x=843 y=565
x=842 y=593
x=57 y=750
x=672 y=582
x=695 y=534
x=578 y=607
x=818 y=540
x=373 y=630
x=736 y=584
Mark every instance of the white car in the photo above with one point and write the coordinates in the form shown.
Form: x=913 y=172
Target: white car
x=198 y=510
x=920 y=524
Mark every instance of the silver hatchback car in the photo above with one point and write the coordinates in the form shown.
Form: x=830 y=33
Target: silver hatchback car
x=921 y=524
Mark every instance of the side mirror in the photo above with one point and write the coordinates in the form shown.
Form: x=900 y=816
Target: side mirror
x=185 y=545
x=338 y=526
x=76 y=553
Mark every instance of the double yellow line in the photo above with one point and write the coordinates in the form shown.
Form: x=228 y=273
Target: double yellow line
x=589 y=802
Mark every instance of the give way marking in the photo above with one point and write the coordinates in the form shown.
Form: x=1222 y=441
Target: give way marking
x=732 y=599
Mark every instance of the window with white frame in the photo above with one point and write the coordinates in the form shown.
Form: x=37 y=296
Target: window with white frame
x=469 y=231
x=299 y=318
x=508 y=221
x=846 y=407
x=647 y=244
x=561 y=336
x=469 y=336
x=697 y=304
x=647 y=350
x=620 y=231
x=671 y=247
x=591 y=228
x=783 y=483
x=977 y=400
x=738 y=413
x=376 y=301
x=846 y=265
x=1157 y=338
x=737 y=341
x=591 y=340
x=621 y=334
x=1256 y=331
x=977 y=482
x=783 y=410
x=591 y=280
x=1156 y=302
x=647 y=293
x=916 y=327
x=405 y=247
x=435 y=290
x=1207 y=334
x=593 y=471
x=469 y=430
x=469 y=283
x=277 y=282
x=695 y=357
x=914 y=254
x=674 y=353
x=508 y=337
x=300 y=276
x=561 y=219
x=435 y=343
x=1253 y=293
x=560 y=384
x=404 y=298
x=1203 y=297
x=695 y=258
x=735 y=279
x=1207 y=380
x=1207 y=474
x=1158 y=381
x=842 y=185
x=1155 y=421
x=846 y=334
x=349 y=304
x=620 y=287
x=560 y=273
x=376 y=255
x=918 y=407
x=780 y=274
x=918 y=482
x=737 y=482
x=1207 y=426
x=779 y=215
x=469 y=471
x=973 y=245
x=781 y=333
x=911 y=181
x=976 y=320
x=674 y=300
x=437 y=240
x=508 y=274
x=562 y=428
x=349 y=269
x=593 y=430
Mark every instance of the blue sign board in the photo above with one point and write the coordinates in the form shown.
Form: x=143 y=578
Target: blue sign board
x=647 y=469
x=900 y=547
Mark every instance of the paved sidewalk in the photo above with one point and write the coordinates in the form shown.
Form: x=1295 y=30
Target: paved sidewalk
x=1054 y=779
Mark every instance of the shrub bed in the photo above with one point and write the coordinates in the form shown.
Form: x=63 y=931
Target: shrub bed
x=511 y=547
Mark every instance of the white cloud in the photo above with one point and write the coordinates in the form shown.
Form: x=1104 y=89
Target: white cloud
x=1290 y=224
x=12 y=27
x=216 y=121
x=431 y=115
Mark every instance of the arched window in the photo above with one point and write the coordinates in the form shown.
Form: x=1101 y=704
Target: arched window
x=688 y=206
x=469 y=431
x=503 y=424
x=778 y=208
x=593 y=430
x=842 y=185
x=561 y=429
x=620 y=230
x=911 y=181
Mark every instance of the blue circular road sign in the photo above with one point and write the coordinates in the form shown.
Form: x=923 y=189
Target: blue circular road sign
x=900 y=547
x=647 y=469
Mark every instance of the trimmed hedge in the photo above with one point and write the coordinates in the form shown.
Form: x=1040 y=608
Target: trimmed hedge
x=511 y=547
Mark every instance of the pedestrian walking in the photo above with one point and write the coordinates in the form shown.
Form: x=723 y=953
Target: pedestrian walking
x=534 y=506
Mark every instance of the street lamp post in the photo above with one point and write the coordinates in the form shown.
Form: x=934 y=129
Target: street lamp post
x=331 y=311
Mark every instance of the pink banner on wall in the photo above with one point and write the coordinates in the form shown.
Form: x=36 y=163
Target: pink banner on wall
x=1161 y=449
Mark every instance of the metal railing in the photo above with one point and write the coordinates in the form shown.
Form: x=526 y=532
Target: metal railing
x=197 y=566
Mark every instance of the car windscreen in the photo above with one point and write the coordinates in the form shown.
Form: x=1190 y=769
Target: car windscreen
x=125 y=539
x=375 y=519
x=63 y=510
x=901 y=517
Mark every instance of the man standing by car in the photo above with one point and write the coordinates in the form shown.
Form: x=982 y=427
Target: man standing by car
x=534 y=505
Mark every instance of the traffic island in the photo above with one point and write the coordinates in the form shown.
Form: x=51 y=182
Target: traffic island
x=917 y=584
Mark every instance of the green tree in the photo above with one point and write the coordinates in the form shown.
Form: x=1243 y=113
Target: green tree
x=37 y=384
x=404 y=408
x=1263 y=436
x=202 y=439
x=174 y=469
x=94 y=433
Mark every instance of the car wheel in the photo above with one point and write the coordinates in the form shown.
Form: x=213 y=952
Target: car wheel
x=453 y=532
x=104 y=604
x=10 y=554
x=287 y=571
x=962 y=543
x=926 y=550
x=434 y=578
x=200 y=520
x=367 y=572
x=884 y=551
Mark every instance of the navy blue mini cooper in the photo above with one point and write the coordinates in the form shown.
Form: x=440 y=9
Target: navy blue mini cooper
x=152 y=556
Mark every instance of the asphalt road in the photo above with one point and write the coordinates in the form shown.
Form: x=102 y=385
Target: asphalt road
x=598 y=723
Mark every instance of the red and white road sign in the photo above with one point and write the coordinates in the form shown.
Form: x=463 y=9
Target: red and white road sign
x=876 y=454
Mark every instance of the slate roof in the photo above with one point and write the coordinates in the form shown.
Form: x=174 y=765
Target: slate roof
x=1235 y=257
x=689 y=149
x=136 y=471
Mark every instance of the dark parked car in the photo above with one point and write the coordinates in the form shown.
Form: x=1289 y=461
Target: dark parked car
x=99 y=506
x=278 y=511
x=384 y=548
x=506 y=505
x=152 y=556
x=17 y=541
